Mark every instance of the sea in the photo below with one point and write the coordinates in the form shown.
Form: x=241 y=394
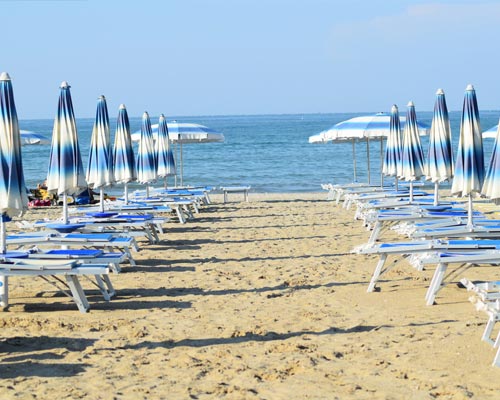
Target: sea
x=270 y=153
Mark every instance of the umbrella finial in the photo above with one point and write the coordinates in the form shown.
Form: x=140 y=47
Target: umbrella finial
x=410 y=104
x=4 y=76
x=162 y=117
x=469 y=88
x=64 y=85
x=101 y=97
x=145 y=115
x=122 y=107
x=394 y=108
x=439 y=92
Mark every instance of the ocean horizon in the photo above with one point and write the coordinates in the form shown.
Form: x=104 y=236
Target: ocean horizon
x=269 y=152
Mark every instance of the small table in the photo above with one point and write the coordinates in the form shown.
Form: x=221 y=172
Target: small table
x=235 y=189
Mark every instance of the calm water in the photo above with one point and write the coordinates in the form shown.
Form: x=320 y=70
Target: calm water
x=269 y=152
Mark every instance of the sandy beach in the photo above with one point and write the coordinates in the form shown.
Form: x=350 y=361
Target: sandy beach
x=257 y=300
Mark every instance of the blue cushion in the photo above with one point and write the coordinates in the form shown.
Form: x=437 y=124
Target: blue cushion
x=64 y=228
x=104 y=214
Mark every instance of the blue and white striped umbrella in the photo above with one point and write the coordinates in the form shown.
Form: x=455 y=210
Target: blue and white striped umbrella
x=469 y=164
x=146 y=158
x=13 y=197
x=123 y=152
x=491 y=186
x=65 y=173
x=100 y=167
x=440 y=154
x=392 y=157
x=412 y=156
x=165 y=157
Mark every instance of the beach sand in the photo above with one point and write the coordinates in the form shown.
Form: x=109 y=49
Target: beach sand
x=257 y=300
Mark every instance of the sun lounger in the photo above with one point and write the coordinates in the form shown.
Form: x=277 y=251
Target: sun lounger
x=71 y=270
x=105 y=241
x=404 y=250
x=487 y=298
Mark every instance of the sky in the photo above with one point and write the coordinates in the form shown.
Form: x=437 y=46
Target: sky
x=239 y=57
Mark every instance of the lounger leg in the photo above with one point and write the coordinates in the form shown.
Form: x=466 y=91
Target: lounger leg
x=102 y=287
x=78 y=293
x=377 y=272
x=225 y=196
x=180 y=215
x=4 y=291
x=487 y=331
x=435 y=285
x=375 y=232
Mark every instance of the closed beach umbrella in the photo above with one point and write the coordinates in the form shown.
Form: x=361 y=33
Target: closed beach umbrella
x=123 y=153
x=412 y=156
x=13 y=197
x=469 y=164
x=65 y=173
x=491 y=186
x=392 y=157
x=146 y=158
x=165 y=157
x=440 y=155
x=100 y=167
x=183 y=133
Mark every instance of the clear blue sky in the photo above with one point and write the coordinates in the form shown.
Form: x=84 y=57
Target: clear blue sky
x=215 y=57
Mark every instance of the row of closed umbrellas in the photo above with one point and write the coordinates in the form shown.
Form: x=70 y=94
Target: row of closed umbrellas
x=106 y=165
x=404 y=157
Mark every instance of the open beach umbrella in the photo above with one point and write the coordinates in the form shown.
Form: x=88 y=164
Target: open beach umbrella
x=123 y=152
x=146 y=158
x=13 y=197
x=165 y=157
x=65 y=172
x=365 y=128
x=29 y=137
x=412 y=156
x=100 y=167
x=184 y=133
x=392 y=157
x=440 y=154
x=491 y=185
x=469 y=164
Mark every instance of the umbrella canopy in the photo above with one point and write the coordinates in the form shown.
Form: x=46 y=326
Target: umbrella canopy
x=146 y=158
x=29 y=137
x=13 y=197
x=65 y=173
x=491 y=186
x=165 y=157
x=440 y=154
x=367 y=127
x=100 y=167
x=123 y=153
x=469 y=164
x=392 y=156
x=318 y=138
x=412 y=156
x=491 y=133
x=185 y=132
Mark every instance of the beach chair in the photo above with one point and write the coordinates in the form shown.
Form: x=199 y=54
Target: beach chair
x=105 y=241
x=405 y=250
x=487 y=298
x=51 y=271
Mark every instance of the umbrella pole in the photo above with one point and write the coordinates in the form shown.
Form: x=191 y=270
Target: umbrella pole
x=125 y=193
x=436 y=193
x=396 y=183
x=147 y=191
x=65 y=208
x=368 y=158
x=470 y=223
x=4 y=280
x=381 y=162
x=176 y=158
x=101 y=199
x=182 y=168
x=165 y=183
x=411 y=192
x=354 y=159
